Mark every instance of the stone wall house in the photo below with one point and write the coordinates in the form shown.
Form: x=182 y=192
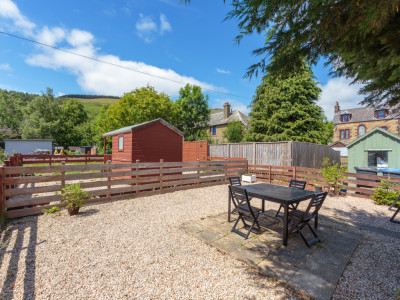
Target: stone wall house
x=220 y=118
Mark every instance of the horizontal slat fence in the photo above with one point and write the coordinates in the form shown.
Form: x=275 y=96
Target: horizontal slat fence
x=30 y=190
x=360 y=184
x=29 y=159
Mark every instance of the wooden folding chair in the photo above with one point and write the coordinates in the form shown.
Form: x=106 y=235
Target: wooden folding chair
x=297 y=184
x=299 y=219
x=235 y=181
x=242 y=205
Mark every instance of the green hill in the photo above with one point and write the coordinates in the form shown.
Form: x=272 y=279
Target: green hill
x=92 y=106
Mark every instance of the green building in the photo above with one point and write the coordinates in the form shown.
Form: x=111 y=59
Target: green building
x=377 y=148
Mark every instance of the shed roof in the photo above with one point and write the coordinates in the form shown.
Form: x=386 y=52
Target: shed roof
x=376 y=129
x=28 y=140
x=141 y=126
x=217 y=118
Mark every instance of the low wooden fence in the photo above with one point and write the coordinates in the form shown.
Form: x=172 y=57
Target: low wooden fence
x=31 y=159
x=28 y=191
x=360 y=184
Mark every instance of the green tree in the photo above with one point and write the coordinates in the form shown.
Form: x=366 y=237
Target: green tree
x=328 y=132
x=359 y=38
x=10 y=115
x=43 y=118
x=138 y=106
x=284 y=109
x=234 y=133
x=194 y=113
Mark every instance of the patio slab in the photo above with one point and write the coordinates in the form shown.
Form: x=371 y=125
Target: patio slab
x=313 y=271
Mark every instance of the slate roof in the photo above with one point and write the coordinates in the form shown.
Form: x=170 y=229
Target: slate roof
x=140 y=126
x=217 y=118
x=362 y=114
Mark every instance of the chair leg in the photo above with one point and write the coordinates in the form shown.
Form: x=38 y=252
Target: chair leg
x=316 y=221
x=395 y=214
x=279 y=210
x=311 y=242
x=250 y=227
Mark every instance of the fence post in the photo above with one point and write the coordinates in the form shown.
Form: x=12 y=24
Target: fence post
x=137 y=175
x=109 y=178
x=86 y=160
x=161 y=174
x=226 y=168
x=198 y=171
x=269 y=174
x=1 y=192
x=294 y=173
x=63 y=175
x=49 y=160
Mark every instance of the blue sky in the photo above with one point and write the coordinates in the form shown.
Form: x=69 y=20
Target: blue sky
x=189 y=44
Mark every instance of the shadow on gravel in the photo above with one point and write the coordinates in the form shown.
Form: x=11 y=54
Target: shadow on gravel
x=14 y=236
x=87 y=212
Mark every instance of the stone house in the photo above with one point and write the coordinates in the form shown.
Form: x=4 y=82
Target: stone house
x=220 y=118
x=351 y=124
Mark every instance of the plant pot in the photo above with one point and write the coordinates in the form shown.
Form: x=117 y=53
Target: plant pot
x=318 y=189
x=249 y=178
x=73 y=212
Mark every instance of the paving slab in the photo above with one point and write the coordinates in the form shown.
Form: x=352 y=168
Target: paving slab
x=313 y=271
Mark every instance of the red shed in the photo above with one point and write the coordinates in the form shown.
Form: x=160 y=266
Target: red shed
x=148 y=142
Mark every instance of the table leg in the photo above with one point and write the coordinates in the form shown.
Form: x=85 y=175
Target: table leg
x=229 y=206
x=263 y=205
x=285 y=224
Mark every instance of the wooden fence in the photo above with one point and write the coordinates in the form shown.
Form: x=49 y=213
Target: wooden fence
x=30 y=159
x=277 y=153
x=359 y=185
x=29 y=190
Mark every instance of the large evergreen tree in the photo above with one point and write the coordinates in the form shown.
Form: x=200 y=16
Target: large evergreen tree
x=194 y=113
x=284 y=109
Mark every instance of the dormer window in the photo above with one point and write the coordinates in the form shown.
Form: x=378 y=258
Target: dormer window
x=345 y=118
x=381 y=113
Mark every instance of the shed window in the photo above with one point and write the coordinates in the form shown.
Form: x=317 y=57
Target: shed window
x=213 y=130
x=121 y=143
x=378 y=159
x=361 y=130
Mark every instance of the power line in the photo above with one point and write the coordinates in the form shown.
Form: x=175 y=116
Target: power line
x=115 y=65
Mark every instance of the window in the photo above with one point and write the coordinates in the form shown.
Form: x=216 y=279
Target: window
x=384 y=127
x=361 y=130
x=121 y=143
x=378 y=159
x=380 y=114
x=345 y=118
x=213 y=130
x=345 y=133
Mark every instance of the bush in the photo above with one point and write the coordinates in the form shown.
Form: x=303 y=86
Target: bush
x=52 y=210
x=385 y=194
x=333 y=175
x=74 y=196
x=3 y=156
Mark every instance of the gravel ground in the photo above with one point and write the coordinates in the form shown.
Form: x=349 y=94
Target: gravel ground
x=134 y=249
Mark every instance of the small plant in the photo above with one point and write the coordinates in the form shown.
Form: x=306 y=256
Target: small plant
x=74 y=196
x=385 y=194
x=396 y=293
x=3 y=156
x=319 y=245
x=52 y=210
x=333 y=175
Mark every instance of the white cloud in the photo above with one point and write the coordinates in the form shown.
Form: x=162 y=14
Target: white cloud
x=59 y=94
x=165 y=25
x=145 y=28
x=223 y=71
x=339 y=89
x=100 y=78
x=5 y=67
x=9 y=10
x=235 y=105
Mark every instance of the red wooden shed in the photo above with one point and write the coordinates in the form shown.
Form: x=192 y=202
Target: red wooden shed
x=148 y=142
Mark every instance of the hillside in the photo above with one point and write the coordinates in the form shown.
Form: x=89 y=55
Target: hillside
x=93 y=105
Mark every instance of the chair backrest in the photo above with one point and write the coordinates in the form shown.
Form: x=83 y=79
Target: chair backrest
x=235 y=181
x=239 y=196
x=298 y=184
x=316 y=202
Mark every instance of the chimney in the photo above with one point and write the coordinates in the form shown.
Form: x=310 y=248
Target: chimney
x=337 y=107
x=227 y=110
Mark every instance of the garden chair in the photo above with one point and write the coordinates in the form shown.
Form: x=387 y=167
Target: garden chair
x=234 y=181
x=297 y=184
x=299 y=219
x=394 y=202
x=242 y=205
x=394 y=215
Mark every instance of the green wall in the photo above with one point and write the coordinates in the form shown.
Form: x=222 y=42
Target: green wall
x=377 y=140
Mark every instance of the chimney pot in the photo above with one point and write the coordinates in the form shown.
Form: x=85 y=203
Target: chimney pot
x=227 y=110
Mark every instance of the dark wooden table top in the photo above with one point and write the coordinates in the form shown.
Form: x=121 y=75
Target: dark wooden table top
x=277 y=193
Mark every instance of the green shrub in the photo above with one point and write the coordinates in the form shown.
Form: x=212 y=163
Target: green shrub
x=52 y=210
x=333 y=175
x=3 y=156
x=74 y=196
x=385 y=194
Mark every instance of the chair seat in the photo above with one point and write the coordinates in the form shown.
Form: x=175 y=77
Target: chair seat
x=244 y=209
x=297 y=214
